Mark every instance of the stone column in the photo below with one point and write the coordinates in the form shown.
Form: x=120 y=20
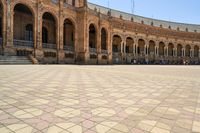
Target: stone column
x=98 y=45
x=135 y=46
x=4 y=21
x=110 y=51
x=121 y=46
x=166 y=49
x=125 y=47
x=136 y=49
x=61 y=30
x=146 y=52
x=9 y=27
x=61 y=52
x=35 y=33
x=183 y=52
x=174 y=52
x=146 y=47
x=9 y=49
x=39 y=26
x=192 y=52
x=157 y=49
x=39 y=53
x=82 y=45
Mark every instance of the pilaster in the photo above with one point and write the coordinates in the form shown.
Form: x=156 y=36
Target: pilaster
x=9 y=49
x=39 y=54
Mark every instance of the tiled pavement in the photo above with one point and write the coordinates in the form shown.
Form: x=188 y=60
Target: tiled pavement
x=99 y=99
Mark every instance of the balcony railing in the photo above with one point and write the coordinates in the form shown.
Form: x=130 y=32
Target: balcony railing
x=23 y=43
x=93 y=50
x=104 y=51
x=116 y=54
x=49 y=45
x=68 y=48
x=1 y=41
x=55 y=1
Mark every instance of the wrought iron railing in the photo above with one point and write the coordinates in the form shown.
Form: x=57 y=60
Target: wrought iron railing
x=49 y=45
x=104 y=51
x=55 y=1
x=93 y=50
x=68 y=48
x=23 y=43
x=116 y=54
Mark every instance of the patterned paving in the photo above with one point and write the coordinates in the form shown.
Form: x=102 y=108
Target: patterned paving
x=99 y=99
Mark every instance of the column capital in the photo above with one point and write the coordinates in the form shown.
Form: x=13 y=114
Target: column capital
x=146 y=42
x=166 y=44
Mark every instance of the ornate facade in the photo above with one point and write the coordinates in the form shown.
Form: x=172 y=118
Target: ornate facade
x=75 y=31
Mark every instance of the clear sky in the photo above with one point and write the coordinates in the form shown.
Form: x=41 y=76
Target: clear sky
x=184 y=11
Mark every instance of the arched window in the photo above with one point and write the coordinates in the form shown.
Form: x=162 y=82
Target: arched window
x=73 y=2
x=21 y=31
x=152 y=47
x=49 y=22
x=187 y=50
x=179 y=50
x=116 y=44
x=129 y=45
x=196 y=51
x=29 y=32
x=44 y=35
x=68 y=35
x=92 y=36
x=161 y=48
x=103 y=39
x=170 y=49
x=141 y=44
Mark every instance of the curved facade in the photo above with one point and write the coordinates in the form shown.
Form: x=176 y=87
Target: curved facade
x=75 y=31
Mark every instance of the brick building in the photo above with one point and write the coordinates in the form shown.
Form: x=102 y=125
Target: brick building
x=75 y=31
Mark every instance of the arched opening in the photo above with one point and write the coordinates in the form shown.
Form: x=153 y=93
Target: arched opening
x=161 y=49
x=48 y=31
x=117 y=49
x=103 y=39
x=187 y=50
x=73 y=2
x=29 y=32
x=170 y=49
x=196 y=51
x=68 y=36
x=1 y=25
x=179 y=50
x=141 y=44
x=92 y=38
x=44 y=35
x=152 y=48
x=116 y=46
x=129 y=45
x=23 y=26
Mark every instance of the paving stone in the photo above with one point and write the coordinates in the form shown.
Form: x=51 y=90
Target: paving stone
x=99 y=99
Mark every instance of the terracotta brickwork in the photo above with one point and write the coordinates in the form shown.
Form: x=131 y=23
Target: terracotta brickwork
x=77 y=32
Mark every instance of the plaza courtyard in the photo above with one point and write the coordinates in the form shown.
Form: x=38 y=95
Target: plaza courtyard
x=99 y=99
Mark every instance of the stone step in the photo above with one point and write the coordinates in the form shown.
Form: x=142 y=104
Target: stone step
x=14 y=60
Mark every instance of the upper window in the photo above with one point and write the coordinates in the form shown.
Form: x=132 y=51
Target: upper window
x=73 y=2
x=29 y=32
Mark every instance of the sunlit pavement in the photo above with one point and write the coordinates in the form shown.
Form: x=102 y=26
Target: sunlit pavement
x=99 y=99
